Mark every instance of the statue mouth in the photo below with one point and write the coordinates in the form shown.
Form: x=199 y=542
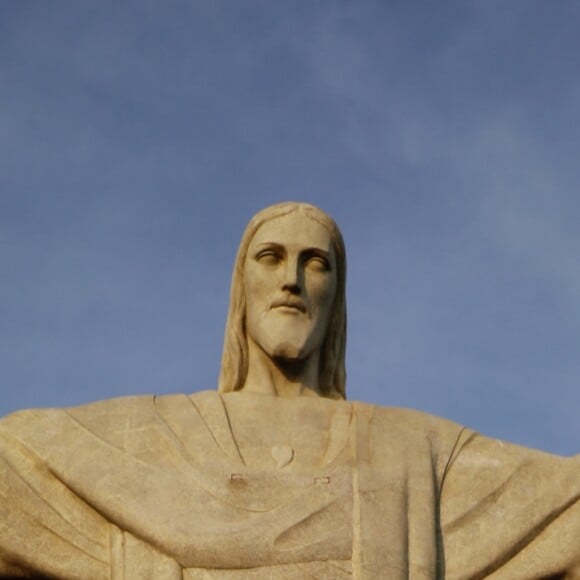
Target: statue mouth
x=291 y=303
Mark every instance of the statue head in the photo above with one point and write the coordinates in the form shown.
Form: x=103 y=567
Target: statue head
x=331 y=375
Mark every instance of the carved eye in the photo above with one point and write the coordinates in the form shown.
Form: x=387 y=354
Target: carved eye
x=268 y=257
x=318 y=263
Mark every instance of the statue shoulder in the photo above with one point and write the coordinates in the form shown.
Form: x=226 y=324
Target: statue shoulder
x=410 y=421
x=107 y=419
x=401 y=433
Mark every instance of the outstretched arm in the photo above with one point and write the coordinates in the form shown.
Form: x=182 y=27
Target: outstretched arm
x=510 y=512
x=44 y=527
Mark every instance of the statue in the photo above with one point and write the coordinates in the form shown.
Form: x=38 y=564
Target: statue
x=277 y=475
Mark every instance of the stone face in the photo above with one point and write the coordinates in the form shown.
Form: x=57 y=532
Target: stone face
x=290 y=285
x=277 y=476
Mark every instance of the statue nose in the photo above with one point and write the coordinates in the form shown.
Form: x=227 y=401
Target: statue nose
x=292 y=288
x=291 y=282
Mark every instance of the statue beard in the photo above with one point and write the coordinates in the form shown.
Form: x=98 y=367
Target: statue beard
x=286 y=352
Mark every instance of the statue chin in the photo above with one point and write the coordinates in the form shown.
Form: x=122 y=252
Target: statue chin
x=288 y=352
x=290 y=345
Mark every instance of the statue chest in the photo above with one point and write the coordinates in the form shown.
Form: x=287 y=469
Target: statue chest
x=279 y=491
x=243 y=484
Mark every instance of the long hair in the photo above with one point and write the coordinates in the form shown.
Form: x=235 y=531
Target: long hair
x=332 y=373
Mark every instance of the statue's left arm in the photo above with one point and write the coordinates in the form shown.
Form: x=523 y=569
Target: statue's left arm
x=508 y=512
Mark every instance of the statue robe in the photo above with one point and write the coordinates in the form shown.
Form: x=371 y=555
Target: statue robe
x=158 y=487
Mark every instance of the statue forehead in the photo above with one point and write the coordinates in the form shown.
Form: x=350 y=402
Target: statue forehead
x=293 y=228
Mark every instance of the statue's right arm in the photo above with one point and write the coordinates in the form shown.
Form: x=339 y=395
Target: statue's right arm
x=45 y=528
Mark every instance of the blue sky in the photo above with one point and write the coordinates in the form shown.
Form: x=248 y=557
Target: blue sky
x=138 y=138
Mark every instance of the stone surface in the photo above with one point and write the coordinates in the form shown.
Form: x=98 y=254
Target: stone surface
x=276 y=475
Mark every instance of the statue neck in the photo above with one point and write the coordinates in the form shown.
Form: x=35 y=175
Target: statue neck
x=281 y=377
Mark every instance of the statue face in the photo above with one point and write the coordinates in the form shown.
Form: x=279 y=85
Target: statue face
x=290 y=284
